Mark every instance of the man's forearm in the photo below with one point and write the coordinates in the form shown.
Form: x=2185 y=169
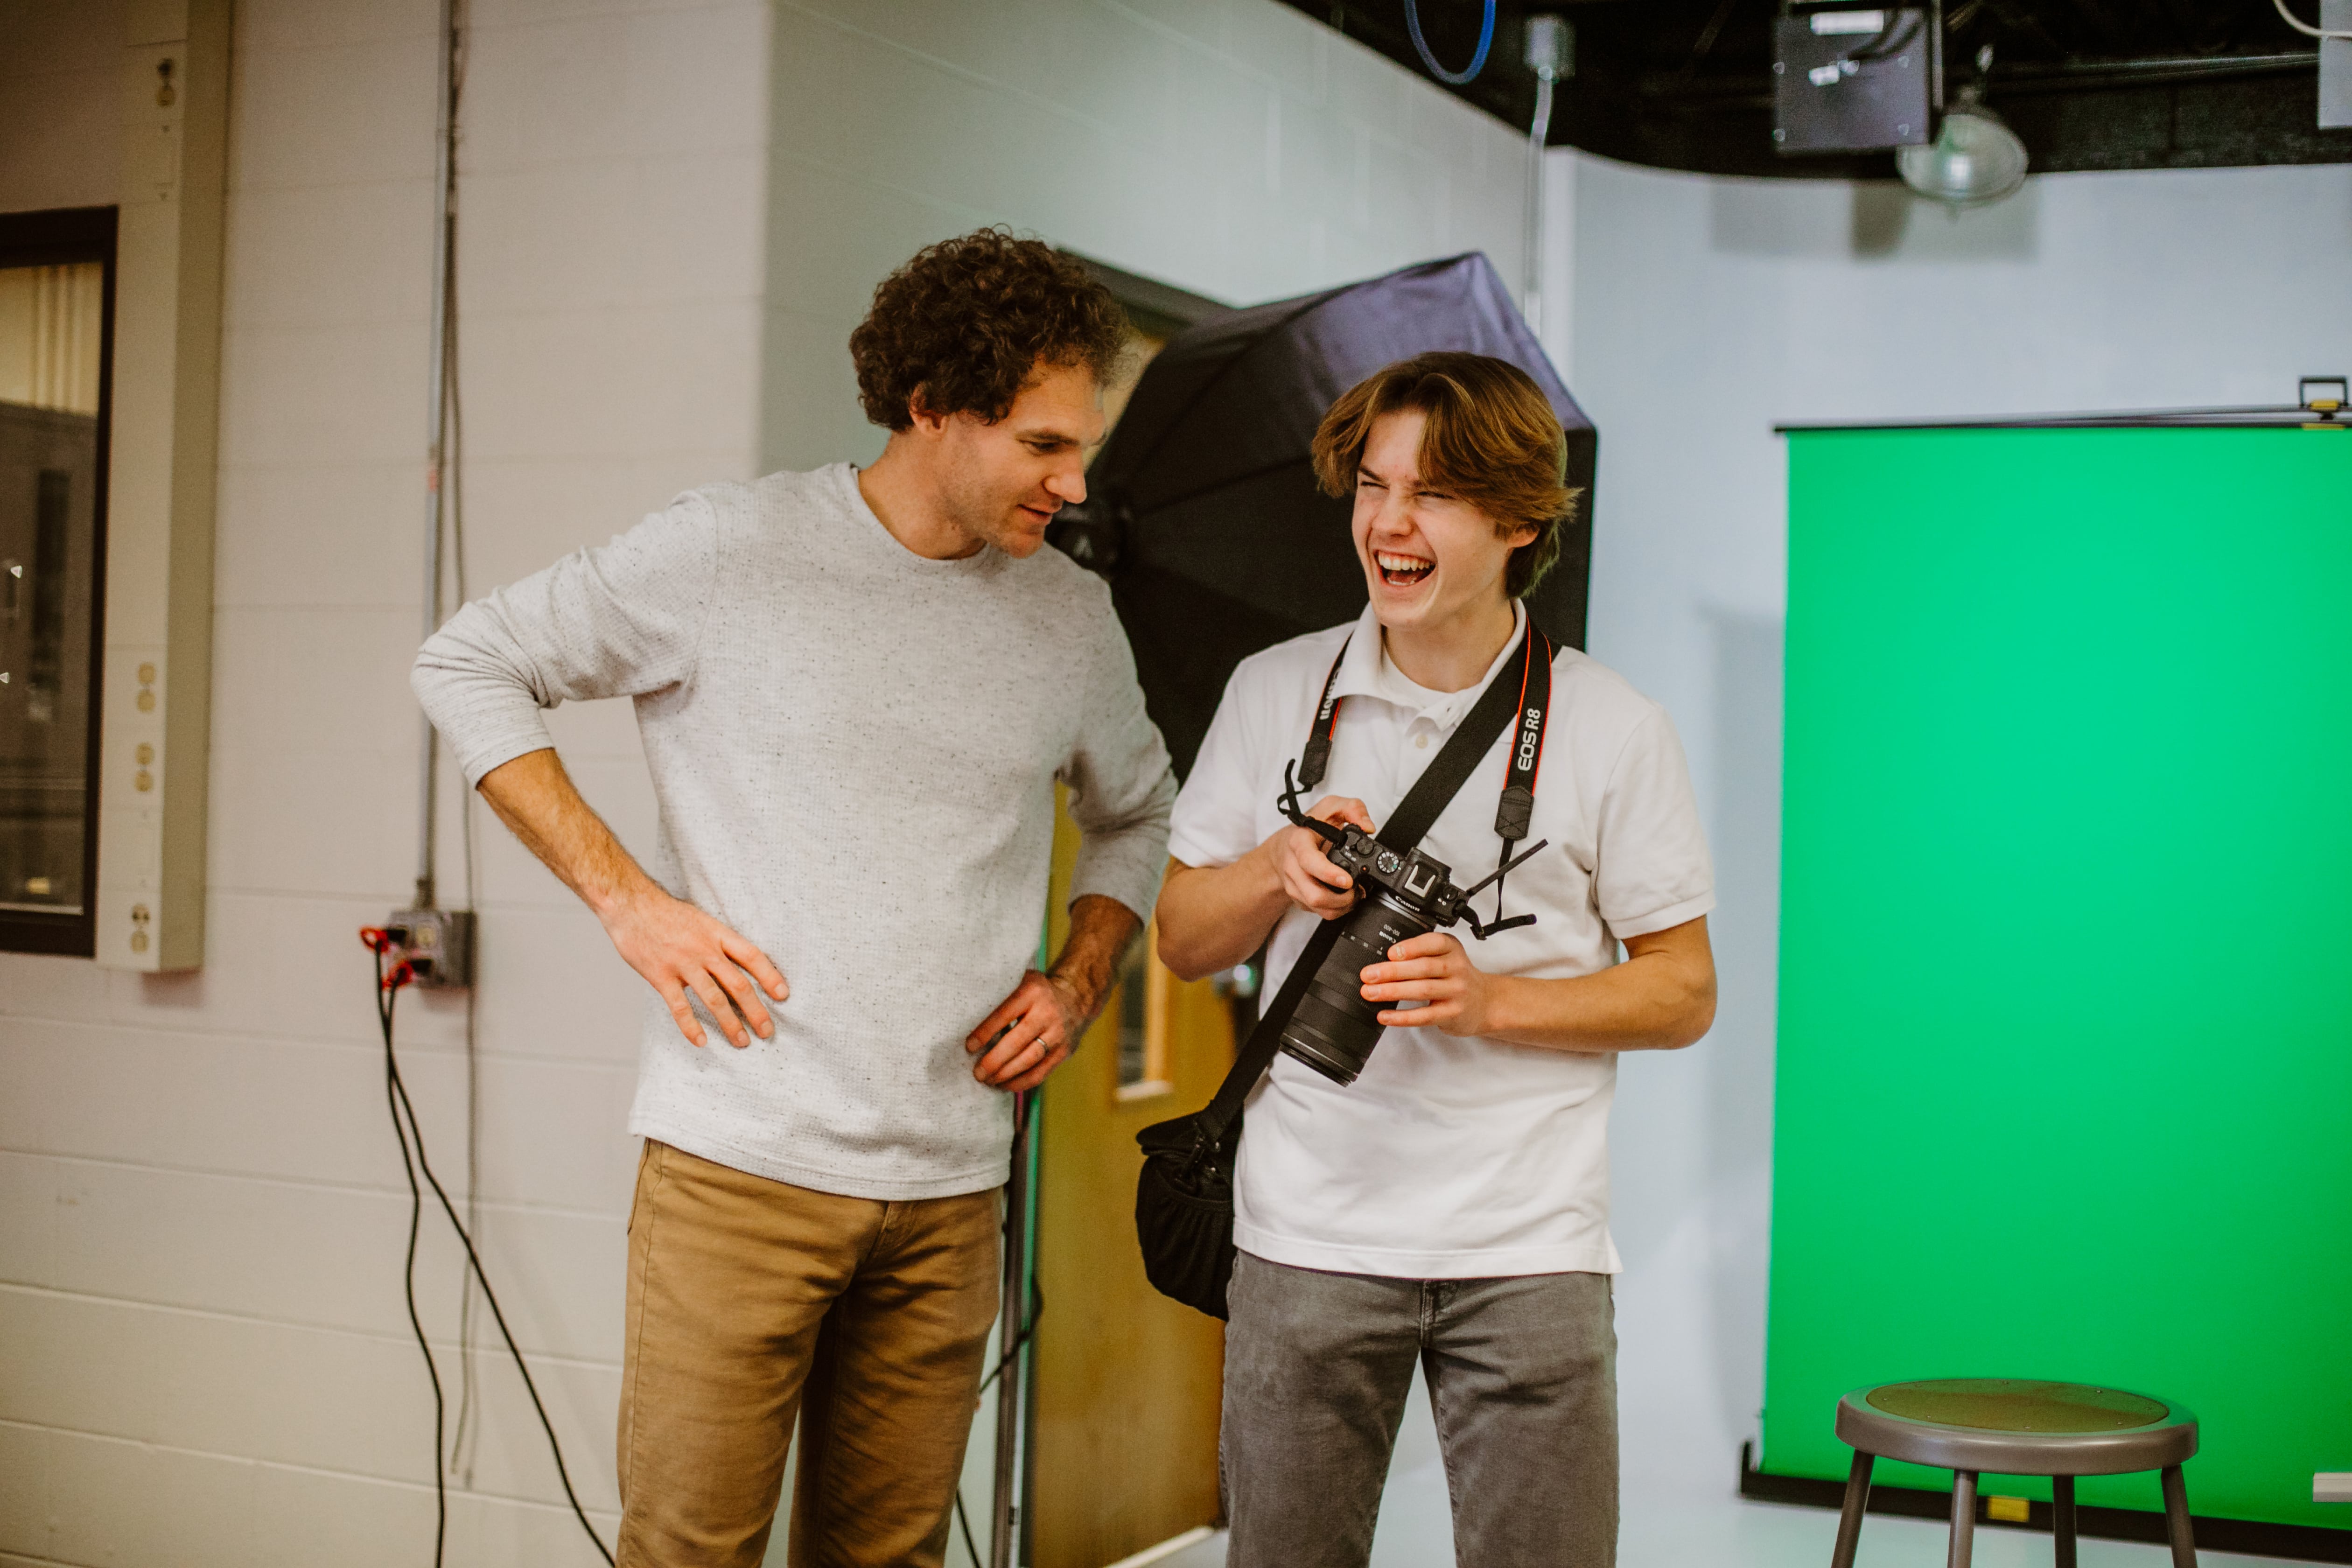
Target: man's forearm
x=1101 y=929
x=1213 y=917
x=681 y=951
x=1661 y=998
x=537 y=800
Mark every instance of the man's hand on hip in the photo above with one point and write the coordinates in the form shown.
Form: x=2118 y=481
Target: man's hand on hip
x=680 y=950
x=1031 y=1033
x=677 y=947
x=1033 y=1030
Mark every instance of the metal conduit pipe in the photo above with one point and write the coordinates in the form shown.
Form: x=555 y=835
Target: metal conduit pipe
x=1547 y=45
x=436 y=410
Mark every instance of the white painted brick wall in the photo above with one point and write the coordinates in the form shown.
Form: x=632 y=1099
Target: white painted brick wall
x=672 y=215
x=1237 y=149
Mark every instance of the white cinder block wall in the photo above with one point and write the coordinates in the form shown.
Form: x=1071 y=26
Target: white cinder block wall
x=1236 y=149
x=671 y=216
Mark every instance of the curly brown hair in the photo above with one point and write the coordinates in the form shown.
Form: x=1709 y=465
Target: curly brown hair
x=964 y=323
x=1492 y=438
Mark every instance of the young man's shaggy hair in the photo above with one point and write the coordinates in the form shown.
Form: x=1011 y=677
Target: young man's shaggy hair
x=1492 y=440
x=970 y=320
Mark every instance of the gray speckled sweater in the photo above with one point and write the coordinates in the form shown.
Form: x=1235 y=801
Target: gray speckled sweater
x=854 y=749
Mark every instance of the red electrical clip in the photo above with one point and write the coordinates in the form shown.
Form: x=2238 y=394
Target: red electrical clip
x=380 y=941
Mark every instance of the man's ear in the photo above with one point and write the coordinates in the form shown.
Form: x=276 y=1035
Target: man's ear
x=924 y=418
x=1519 y=538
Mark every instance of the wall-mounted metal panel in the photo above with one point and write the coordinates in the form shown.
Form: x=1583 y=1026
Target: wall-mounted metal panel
x=161 y=485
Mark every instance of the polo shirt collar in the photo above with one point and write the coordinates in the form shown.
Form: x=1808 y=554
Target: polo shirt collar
x=1365 y=671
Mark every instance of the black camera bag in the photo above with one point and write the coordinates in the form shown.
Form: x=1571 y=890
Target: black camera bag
x=1184 y=1197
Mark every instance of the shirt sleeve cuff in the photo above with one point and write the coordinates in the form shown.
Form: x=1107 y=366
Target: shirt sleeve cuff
x=1665 y=919
x=485 y=755
x=1139 y=893
x=1196 y=851
x=1125 y=866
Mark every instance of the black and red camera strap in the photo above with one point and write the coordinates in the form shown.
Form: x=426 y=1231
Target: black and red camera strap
x=1516 y=809
x=1185 y=1198
x=1490 y=719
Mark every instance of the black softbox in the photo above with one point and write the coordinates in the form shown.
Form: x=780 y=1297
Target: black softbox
x=1203 y=512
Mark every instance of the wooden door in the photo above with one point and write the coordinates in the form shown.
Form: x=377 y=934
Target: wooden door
x=1125 y=1451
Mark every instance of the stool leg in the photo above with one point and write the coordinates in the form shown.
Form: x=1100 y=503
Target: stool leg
x=1964 y=1518
x=1857 y=1498
x=2176 y=1518
x=2061 y=1518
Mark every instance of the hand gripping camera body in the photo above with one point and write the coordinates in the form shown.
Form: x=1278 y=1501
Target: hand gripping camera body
x=1406 y=894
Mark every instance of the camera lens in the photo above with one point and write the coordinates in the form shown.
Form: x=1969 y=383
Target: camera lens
x=1335 y=1029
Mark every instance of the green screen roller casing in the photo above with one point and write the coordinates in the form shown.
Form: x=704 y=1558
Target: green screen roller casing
x=2064 y=1072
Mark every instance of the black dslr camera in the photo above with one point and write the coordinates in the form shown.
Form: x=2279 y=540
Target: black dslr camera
x=1407 y=895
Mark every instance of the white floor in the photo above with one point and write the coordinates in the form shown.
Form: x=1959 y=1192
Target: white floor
x=1694 y=1518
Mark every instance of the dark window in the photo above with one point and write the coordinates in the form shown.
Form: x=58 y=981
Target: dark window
x=56 y=309
x=1134 y=1019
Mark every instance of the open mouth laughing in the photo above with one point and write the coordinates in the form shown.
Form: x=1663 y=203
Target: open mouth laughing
x=1402 y=571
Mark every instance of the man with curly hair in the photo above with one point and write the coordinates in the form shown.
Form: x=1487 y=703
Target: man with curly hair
x=856 y=689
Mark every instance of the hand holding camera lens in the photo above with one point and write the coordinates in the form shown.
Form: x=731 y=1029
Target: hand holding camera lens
x=1429 y=982
x=1407 y=895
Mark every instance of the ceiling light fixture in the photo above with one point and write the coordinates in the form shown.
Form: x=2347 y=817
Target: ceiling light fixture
x=1974 y=158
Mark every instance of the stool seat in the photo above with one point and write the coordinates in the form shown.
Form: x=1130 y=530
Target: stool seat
x=2016 y=1427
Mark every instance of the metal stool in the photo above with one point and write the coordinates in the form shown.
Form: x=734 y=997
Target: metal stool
x=1970 y=1424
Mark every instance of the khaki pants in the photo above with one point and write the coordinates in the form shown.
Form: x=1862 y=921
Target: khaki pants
x=750 y=1301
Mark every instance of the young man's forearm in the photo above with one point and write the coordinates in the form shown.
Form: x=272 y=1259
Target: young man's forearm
x=1654 y=1001
x=1213 y=917
x=1660 y=998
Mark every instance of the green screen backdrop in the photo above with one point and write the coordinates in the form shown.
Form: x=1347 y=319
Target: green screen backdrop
x=2064 y=1081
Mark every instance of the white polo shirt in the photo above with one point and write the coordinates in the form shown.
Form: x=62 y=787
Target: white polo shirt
x=1450 y=1158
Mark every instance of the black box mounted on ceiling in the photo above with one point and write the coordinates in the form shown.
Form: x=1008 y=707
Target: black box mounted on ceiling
x=1852 y=81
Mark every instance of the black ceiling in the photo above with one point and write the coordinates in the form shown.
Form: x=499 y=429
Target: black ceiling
x=2088 y=84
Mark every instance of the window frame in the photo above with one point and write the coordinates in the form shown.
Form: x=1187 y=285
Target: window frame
x=1149 y=984
x=58 y=237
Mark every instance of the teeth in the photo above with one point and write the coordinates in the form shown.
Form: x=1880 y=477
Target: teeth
x=1407 y=564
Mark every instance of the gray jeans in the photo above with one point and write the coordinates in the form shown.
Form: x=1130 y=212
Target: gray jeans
x=1522 y=1375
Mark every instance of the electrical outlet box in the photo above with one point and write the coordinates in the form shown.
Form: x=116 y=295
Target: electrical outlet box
x=2335 y=66
x=1852 y=81
x=438 y=945
x=2331 y=1486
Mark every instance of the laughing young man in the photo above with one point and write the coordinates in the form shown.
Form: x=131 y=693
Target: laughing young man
x=855 y=689
x=1449 y=1209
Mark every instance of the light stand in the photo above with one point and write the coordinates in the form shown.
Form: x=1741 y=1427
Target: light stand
x=1013 y=1334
